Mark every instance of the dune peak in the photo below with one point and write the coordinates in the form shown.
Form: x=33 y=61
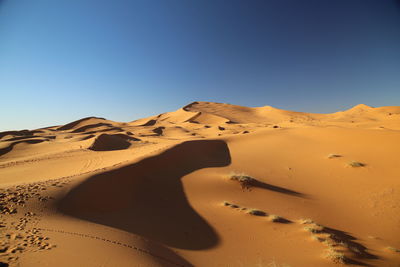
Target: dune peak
x=360 y=107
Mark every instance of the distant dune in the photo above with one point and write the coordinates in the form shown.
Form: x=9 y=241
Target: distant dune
x=210 y=184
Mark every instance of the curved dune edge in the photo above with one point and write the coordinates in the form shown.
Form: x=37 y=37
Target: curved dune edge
x=148 y=188
x=107 y=142
x=152 y=192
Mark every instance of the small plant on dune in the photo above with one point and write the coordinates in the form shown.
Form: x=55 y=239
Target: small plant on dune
x=311 y=229
x=256 y=212
x=317 y=238
x=314 y=228
x=332 y=156
x=393 y=249
x=306 y=221
x=329 y=243
x=336 y=256
x=356 y=164
x=245 y=180
x=275 y=218
x=227 y=204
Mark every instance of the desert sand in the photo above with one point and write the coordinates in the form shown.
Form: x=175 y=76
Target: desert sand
x=210 y=184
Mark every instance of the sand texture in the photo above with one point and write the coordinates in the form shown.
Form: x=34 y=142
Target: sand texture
x=210 y=184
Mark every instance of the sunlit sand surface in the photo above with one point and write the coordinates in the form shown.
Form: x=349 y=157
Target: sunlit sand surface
x=210 y=184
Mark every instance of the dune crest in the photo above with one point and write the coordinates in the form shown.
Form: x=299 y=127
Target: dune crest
x=105 y=142
x=210 y=184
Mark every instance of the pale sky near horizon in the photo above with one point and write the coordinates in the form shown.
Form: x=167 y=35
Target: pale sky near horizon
x=126 y=59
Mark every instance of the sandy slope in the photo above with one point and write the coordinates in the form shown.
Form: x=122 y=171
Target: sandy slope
x=158 y=191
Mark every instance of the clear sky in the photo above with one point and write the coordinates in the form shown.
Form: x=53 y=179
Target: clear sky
x=125 y=59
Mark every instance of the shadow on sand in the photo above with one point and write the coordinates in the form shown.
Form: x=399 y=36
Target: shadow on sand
x=259 y=184
x=8 y=148
x=147 y=198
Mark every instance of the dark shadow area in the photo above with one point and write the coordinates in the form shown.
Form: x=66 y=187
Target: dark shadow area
x=342 y=239
x=149 y=123
x=7 y=149
x=118 y=129
x=108 y=142
x=159 y=130
x=248 y=183
x=186 y=108
x=86 y=127
x=258 y=213
x=358 y=250
x=259 y=184
x=24 y=137
x=282 y=220
x=87 y=137
x=147 y=198
x=19 y=133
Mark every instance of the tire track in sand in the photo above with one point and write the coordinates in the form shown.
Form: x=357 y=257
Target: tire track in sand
x=141 y=250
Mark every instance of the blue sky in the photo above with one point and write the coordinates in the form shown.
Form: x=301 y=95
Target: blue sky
x=126 y=59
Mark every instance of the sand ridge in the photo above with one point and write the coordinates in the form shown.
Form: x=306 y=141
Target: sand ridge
x=210 y=184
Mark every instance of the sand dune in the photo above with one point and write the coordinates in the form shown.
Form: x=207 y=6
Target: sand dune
x=209 y=184
x=105 y=142
x=81 y=123
x=152 y=188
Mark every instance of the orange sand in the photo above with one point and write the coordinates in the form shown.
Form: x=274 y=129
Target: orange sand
x=158 y=191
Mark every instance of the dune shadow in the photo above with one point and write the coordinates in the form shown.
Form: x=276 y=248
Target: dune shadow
x=8 y=148
x=358 y=250
x=19 y=133
x=283 y=220
x=147 y=198
x=90 y=126
x=341 y=239
x=109 y=142
x=118 y=129
x=149 y=123
x=259 y=184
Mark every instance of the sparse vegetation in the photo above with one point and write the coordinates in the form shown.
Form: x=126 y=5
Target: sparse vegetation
x=331 y=156
x=311 y=229
x=275 y=218
x=317 y=238
x=245 y=180
x=306 y=221
x=226 y=203
x=393 y=249
x=356 y=164
x=256 y=212
x=314 y=228
x=336 y=256
x=337 y=242
x=328 y=242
